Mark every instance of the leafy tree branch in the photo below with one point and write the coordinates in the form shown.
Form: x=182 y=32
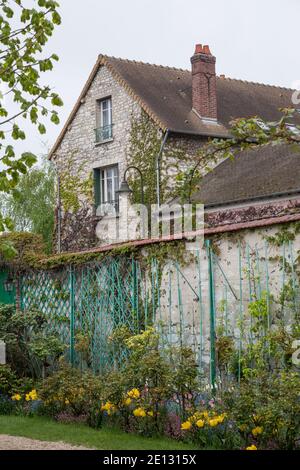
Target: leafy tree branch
x=245 y=134
x=24 y=32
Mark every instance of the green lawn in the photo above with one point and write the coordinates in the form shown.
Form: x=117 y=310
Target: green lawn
x=105 y=439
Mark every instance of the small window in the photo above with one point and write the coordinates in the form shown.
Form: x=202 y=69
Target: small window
x=104 y=120
x=106 y=187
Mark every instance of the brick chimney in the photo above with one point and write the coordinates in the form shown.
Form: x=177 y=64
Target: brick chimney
x=204 y=91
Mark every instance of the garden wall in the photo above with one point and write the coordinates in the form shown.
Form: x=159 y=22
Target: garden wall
x=192 y=297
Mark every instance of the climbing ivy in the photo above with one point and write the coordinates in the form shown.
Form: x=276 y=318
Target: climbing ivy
x=144 y=146
x=285 y=234
x=74 y=186
x=162 y=252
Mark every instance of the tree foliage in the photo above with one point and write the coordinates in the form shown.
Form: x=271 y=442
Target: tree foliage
x=245 y=134
x=24 y=32
x=31 y=205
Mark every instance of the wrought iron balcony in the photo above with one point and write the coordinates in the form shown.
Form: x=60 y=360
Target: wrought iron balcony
x=103 y=133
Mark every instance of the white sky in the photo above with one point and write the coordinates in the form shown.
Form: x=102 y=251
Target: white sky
x=255 y=40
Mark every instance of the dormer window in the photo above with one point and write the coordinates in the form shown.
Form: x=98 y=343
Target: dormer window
x=103 y=132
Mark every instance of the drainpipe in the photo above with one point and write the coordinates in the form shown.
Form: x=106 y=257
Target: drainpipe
x=158 y=162
x=58 y=215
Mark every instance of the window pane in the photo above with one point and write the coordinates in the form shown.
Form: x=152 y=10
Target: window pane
x=109 y=184
x=106 y=112
x=104 y=105
x=110 y=196
x=110 y=172
x=105 y=118
x=116 y=183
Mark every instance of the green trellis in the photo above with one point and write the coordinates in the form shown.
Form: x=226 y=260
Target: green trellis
x=98 y=298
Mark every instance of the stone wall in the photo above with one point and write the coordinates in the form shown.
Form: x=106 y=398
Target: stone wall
x=246 y=265
x=169 y=285
x=78 y=147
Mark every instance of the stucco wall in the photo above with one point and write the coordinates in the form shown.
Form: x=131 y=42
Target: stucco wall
x=245 y=266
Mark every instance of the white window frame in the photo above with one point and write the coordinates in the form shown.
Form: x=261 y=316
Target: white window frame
x=109 y=110
x=104 y=127
x=115 y=184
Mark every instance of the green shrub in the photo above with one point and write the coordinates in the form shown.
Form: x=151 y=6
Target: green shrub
x=210 y=426
x=9 y=382
x=29 y=346
x=161 y=377
x=7 y=406
x=69 y=389
x=157 y=390
x=266 y=409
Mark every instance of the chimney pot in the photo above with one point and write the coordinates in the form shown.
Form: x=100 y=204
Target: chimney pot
x=198 y=49
x=206 y=50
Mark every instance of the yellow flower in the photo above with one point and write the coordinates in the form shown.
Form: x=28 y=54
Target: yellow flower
x=139 y=412
x=213 y=422
x=134 y=393
x=221 y=418
x=253 y=447
x=256 y=431
x=33 y=394
x=67 y=402
x=127 y=401
x=16 y=397
x=150 y=413
x=200 y=423
x=108 y=407
x=186 y=425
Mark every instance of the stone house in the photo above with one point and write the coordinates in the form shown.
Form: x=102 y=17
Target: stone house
x=124 y=100
x=135 y=114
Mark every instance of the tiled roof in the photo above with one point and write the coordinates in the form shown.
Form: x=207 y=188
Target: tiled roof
x=168 y=93
x=165 y=93
x=254 y=174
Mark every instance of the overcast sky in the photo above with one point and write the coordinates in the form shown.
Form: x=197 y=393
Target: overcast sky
x=255 y=40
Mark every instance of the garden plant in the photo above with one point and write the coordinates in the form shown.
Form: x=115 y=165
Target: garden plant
x=158 y=390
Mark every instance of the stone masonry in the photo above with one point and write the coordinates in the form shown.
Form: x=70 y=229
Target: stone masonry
x=79 y=145
x=78 y=230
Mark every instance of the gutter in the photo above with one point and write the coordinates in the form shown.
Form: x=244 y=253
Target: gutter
x=214 y=135
x=158 y=163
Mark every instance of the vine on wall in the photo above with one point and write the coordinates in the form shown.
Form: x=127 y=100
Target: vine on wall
x=77 y=194
x=74 y=187
x=144 y=146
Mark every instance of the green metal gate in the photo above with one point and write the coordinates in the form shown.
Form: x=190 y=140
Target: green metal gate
x=6 y=296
